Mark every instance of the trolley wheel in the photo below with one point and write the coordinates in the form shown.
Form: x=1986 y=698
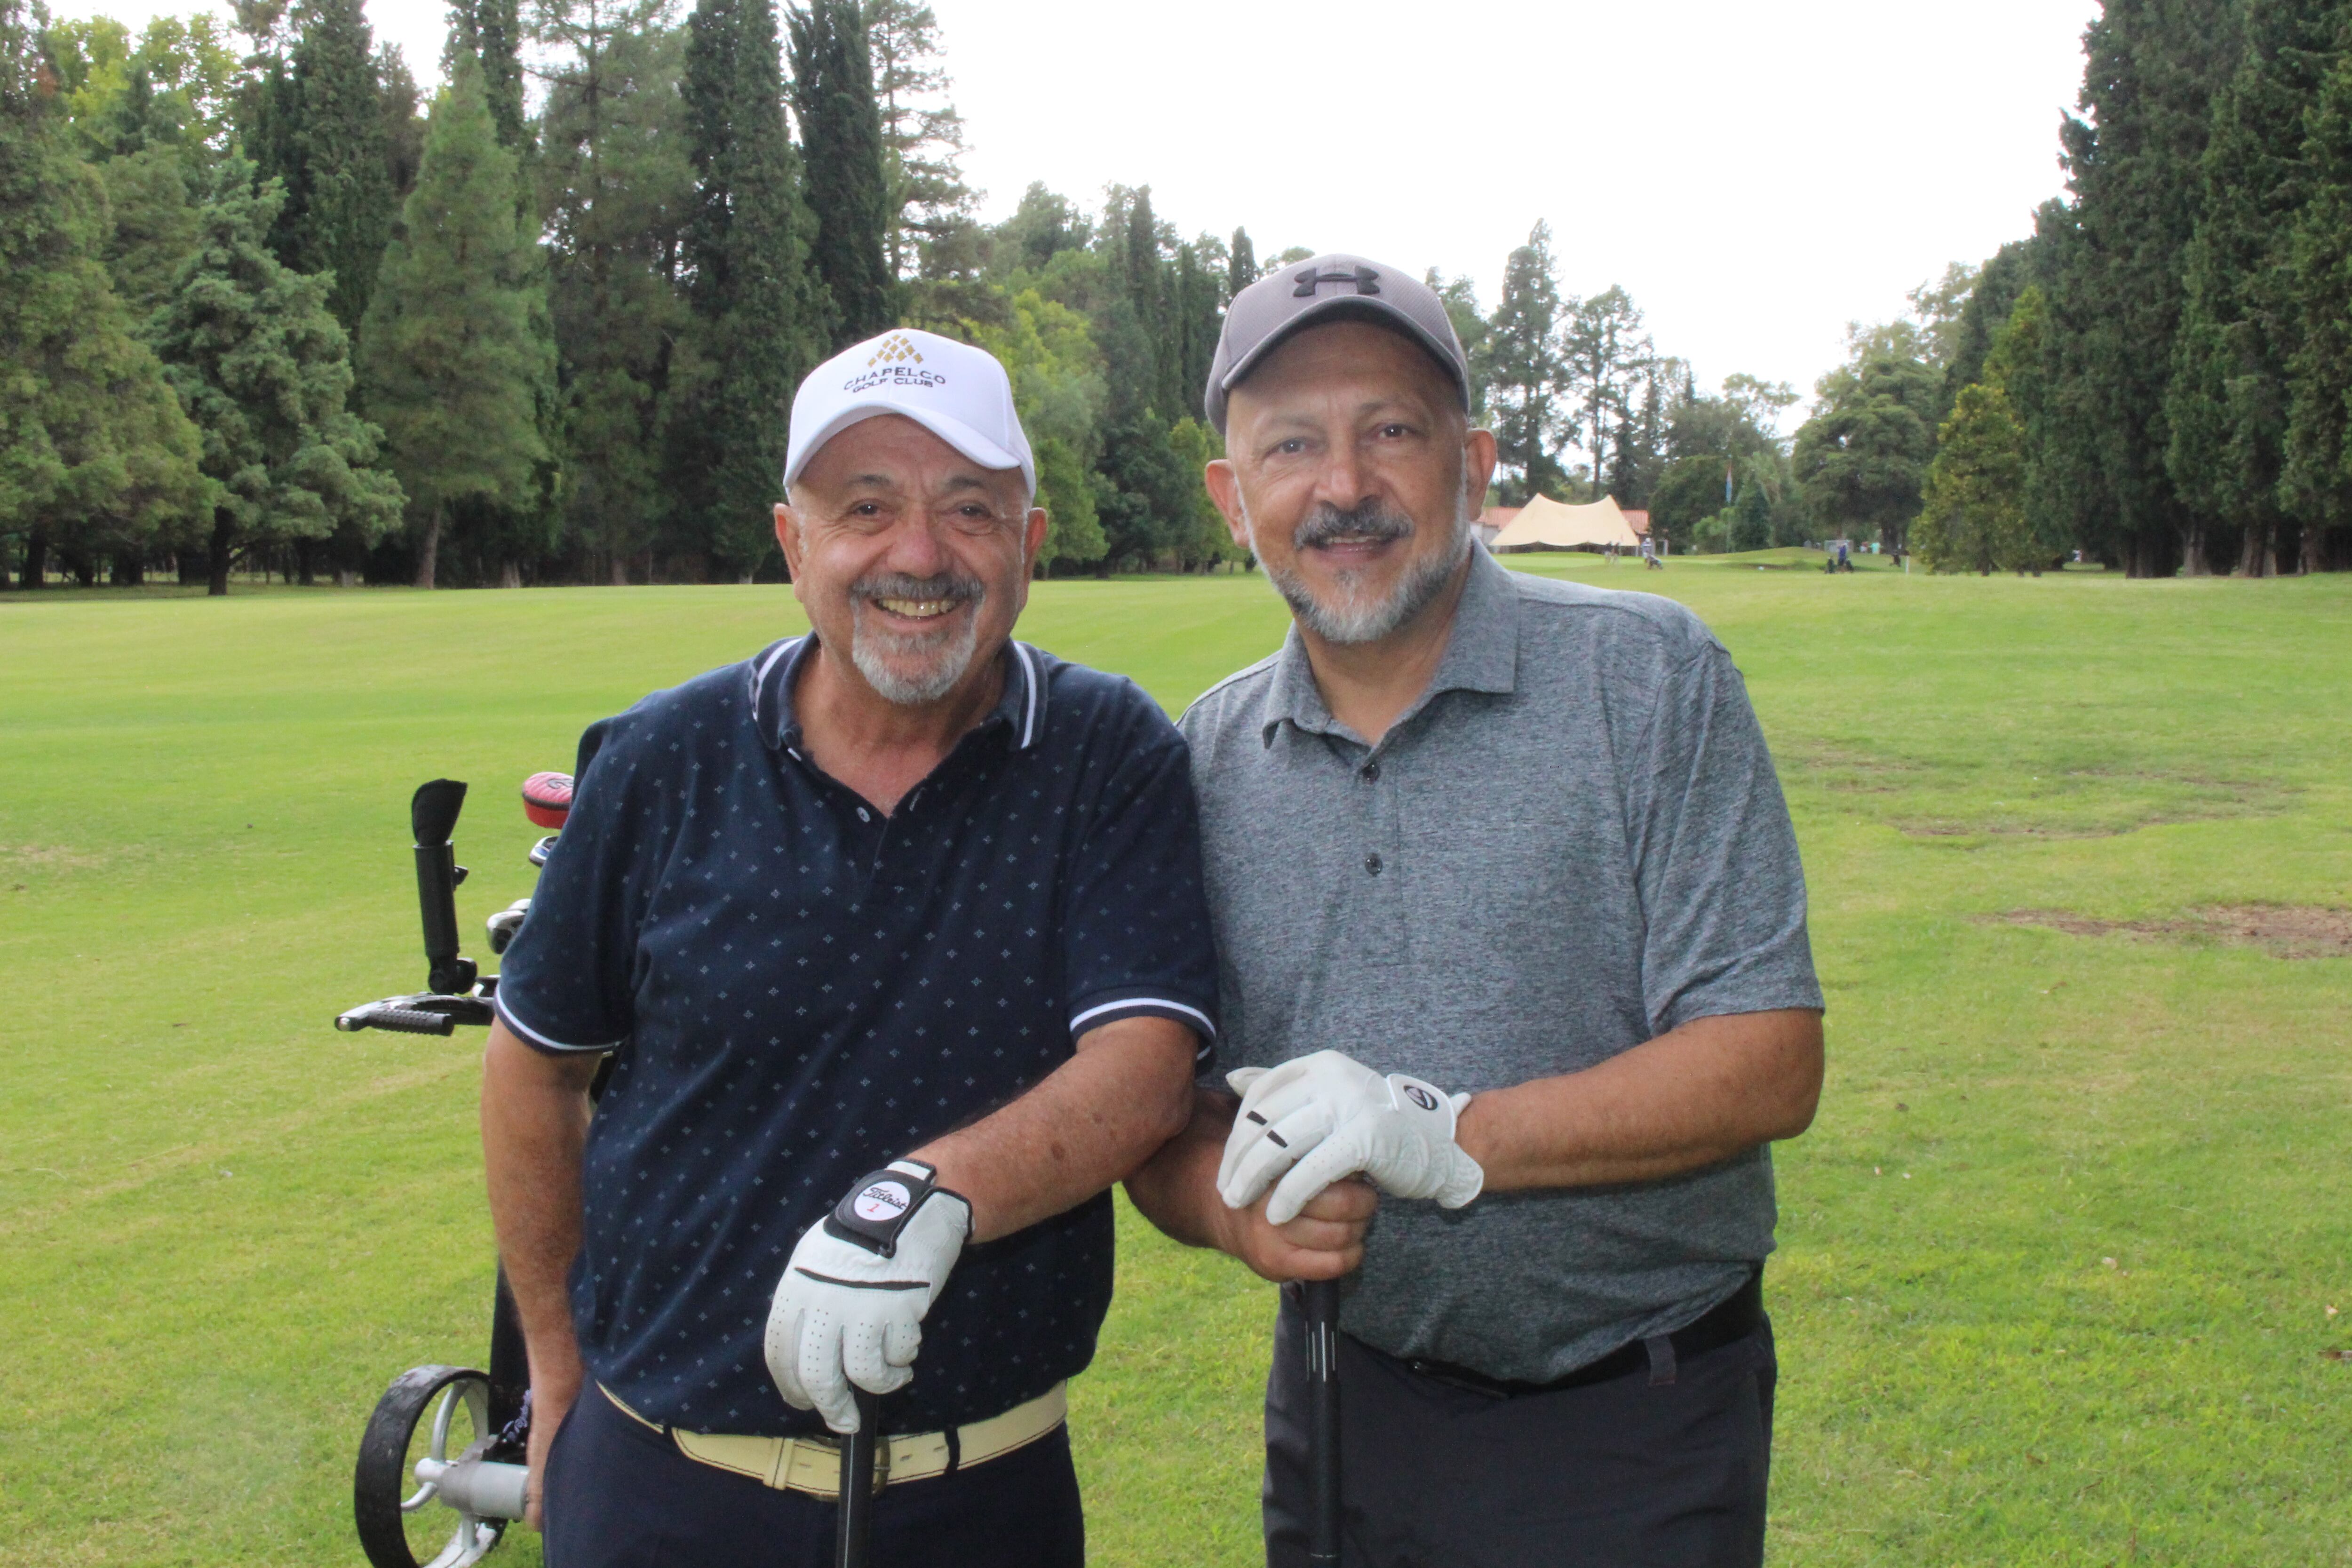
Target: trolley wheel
x=429 y=1412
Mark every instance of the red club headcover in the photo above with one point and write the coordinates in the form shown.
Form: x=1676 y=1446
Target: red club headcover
x=547 y=799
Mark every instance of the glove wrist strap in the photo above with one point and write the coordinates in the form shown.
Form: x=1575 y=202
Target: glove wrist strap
x=881 y=1205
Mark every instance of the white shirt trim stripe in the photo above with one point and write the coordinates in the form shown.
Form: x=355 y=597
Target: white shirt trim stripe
x=1029 y=716
x=760 y=671
x=1207 y=1027
x=506 y=1017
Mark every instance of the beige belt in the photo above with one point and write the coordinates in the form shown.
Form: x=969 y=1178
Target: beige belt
x=812 y=1464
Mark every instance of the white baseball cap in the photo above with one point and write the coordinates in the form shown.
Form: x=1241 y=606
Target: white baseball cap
x=957 y=392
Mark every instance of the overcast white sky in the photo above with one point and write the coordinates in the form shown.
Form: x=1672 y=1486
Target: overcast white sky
x=1755 y=175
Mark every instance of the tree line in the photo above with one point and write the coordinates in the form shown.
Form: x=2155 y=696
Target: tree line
x=2157 y=375
x=264 y=305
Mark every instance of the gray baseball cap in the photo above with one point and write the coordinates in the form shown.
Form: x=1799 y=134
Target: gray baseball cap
x=1329 y=288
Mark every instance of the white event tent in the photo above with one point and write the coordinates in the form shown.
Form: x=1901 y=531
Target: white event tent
x=1544 y=523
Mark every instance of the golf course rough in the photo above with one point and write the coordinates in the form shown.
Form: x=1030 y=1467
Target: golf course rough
x=2057 y=1260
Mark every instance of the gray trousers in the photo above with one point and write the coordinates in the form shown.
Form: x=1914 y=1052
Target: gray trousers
x=1630 y=1473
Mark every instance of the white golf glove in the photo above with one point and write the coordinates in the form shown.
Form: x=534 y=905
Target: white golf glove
x=850 y=1306
x=1312 y=1122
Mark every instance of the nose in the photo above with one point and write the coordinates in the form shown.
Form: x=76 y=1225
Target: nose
x=1343 y=480
x=917 y=547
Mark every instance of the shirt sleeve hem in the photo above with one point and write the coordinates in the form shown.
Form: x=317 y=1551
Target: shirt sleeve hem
x=544 y=1043
x=1794 y=1000
x=1139 y=1004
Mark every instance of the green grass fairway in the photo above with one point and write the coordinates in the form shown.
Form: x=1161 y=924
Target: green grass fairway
x=2060 y=1262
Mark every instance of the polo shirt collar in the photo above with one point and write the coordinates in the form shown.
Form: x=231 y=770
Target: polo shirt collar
x=1482 y=653
x=1020 y=707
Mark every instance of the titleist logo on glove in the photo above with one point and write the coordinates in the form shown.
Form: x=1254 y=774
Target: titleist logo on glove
x=1323 y=1118
x=851 y=1305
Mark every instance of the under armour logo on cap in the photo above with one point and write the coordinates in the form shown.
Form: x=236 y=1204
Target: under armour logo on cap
x=1365 y=278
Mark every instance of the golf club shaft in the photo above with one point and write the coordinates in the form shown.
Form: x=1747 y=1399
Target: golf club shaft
x=1322 y=1301
x=855 y=1521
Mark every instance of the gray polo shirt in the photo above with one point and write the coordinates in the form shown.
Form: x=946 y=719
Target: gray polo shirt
x=1571 y=843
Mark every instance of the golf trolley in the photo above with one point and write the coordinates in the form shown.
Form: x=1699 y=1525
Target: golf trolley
x=440 y=1472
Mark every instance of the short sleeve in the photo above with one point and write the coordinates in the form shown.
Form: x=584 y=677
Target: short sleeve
x=1136 y=938
x=1722 y=894
x=566 y=981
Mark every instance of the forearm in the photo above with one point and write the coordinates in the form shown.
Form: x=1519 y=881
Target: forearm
x=1176 y=1189
x=1095 y=1119
x=534 y=1127
x=1694 y=1097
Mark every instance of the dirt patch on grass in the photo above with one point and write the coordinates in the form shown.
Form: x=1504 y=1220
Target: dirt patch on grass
x=47 y=857
x=2285 y=930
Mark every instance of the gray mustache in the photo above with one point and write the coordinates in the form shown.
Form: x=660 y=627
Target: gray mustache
x=948 y=585
x=1370 y=520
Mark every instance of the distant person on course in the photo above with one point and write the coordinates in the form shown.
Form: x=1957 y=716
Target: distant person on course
x=1508 y=900
x=900 y=910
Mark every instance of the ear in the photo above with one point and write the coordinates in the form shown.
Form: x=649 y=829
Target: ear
x=1478 y=467
x=1225 y=490
x=1032 y=538
x=788 y=538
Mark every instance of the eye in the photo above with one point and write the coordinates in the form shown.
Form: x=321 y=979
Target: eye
x=866 y=509
x=1293 y=447
x=1394 y=432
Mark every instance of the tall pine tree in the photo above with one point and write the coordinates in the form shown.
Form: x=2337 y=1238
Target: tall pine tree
x=264 y=369
x=95 y=454
x=451 y=363
x=1525 y=374
x=2318 y=477
x=760 y=314
x=2227 y=407
x=616 y=188
x=324 y=138
x=848 y=189
x=2132 y=161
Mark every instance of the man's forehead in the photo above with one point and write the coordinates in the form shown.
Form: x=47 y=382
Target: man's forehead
x=1363 y=364
x=890 y=451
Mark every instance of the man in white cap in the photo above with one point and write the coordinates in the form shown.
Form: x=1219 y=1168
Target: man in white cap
x=1512 y=931
x=895 y=935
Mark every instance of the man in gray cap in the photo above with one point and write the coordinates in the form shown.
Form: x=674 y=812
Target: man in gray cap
x=1508 y=903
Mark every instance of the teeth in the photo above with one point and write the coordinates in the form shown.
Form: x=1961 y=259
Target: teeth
x=916 y=609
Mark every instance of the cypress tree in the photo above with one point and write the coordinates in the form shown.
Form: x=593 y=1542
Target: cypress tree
x=616 y=188
x=2318 y=475
x=848 y=190
x=452 y=364
x=96 y=455
x=264 y=368
x=759 y=307
x=1241 y=264
x=2153 y=67
x=2227 y=407
x=1525 y=370
x=491 y=31
x=324 y=137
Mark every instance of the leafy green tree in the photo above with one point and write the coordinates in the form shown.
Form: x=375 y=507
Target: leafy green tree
x=1751 y=518
x=176 y=87
x=616 y=188
x=1603 y=356
x=1146 y=507
x=1460 y=297
x=2317 y=479
x=1041 y=226
x=2133 y=162
x=841 y=137
x=1688 y=493
x=264 y=369
x=1524 y=370
x=1862 y=457
x=760 y=306
x=1048 y=354
x=452 y=365
x=1938 y=305
x=922 y=135
x=154 y=229
x=491 y=31
x=325 y=141
x=1993 y=295
x=95 y=454
x=1201 y=539
x=1973 y=515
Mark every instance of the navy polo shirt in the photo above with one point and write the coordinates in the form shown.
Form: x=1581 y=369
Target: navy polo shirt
x=798 y=989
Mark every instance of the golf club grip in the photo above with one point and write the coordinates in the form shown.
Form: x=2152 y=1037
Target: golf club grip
x=855 y=1523
x=1322 y=1303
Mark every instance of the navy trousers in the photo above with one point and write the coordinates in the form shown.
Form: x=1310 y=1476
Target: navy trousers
x=1629 y=1473
x=620 y=1494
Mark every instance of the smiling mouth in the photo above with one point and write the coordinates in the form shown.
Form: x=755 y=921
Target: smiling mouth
x=919 y=610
